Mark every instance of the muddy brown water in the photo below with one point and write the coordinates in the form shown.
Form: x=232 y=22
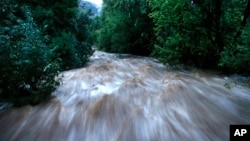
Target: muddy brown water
x=130 y=98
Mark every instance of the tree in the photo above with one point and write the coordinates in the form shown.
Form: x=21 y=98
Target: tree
x=200 y=33
x=27 y=71
x=244 y=21
x=65 y=26
x=235 y=56
x=37 y=40
x=126 y=27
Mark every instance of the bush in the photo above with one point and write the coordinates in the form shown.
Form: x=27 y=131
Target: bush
x=27 y=71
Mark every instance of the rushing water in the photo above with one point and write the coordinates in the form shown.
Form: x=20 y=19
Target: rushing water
x=130 y=98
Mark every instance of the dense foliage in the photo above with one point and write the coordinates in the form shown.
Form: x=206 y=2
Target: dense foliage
x=202 y=33
x=37 y=40
x=65 y=27
x=210 y=34
x=125 y=27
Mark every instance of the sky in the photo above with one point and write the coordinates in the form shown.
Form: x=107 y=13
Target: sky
x=97 y=2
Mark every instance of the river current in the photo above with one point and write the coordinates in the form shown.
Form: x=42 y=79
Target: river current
x=119 y=97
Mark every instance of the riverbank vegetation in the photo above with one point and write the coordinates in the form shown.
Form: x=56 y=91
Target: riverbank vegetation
x=210 y=34
x=38 y=39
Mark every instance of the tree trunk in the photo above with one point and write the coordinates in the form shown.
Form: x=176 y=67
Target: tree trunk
x=244 y=21
x=217 y=23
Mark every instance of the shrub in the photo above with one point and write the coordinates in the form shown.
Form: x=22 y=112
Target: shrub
x=27 y=71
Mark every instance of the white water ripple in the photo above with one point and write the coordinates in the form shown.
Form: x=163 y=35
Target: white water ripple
x=121 y=97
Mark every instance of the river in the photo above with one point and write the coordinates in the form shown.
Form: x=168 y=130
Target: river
x=131 y=98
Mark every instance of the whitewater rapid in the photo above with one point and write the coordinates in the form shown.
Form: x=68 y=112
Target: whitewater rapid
x=120 y=97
